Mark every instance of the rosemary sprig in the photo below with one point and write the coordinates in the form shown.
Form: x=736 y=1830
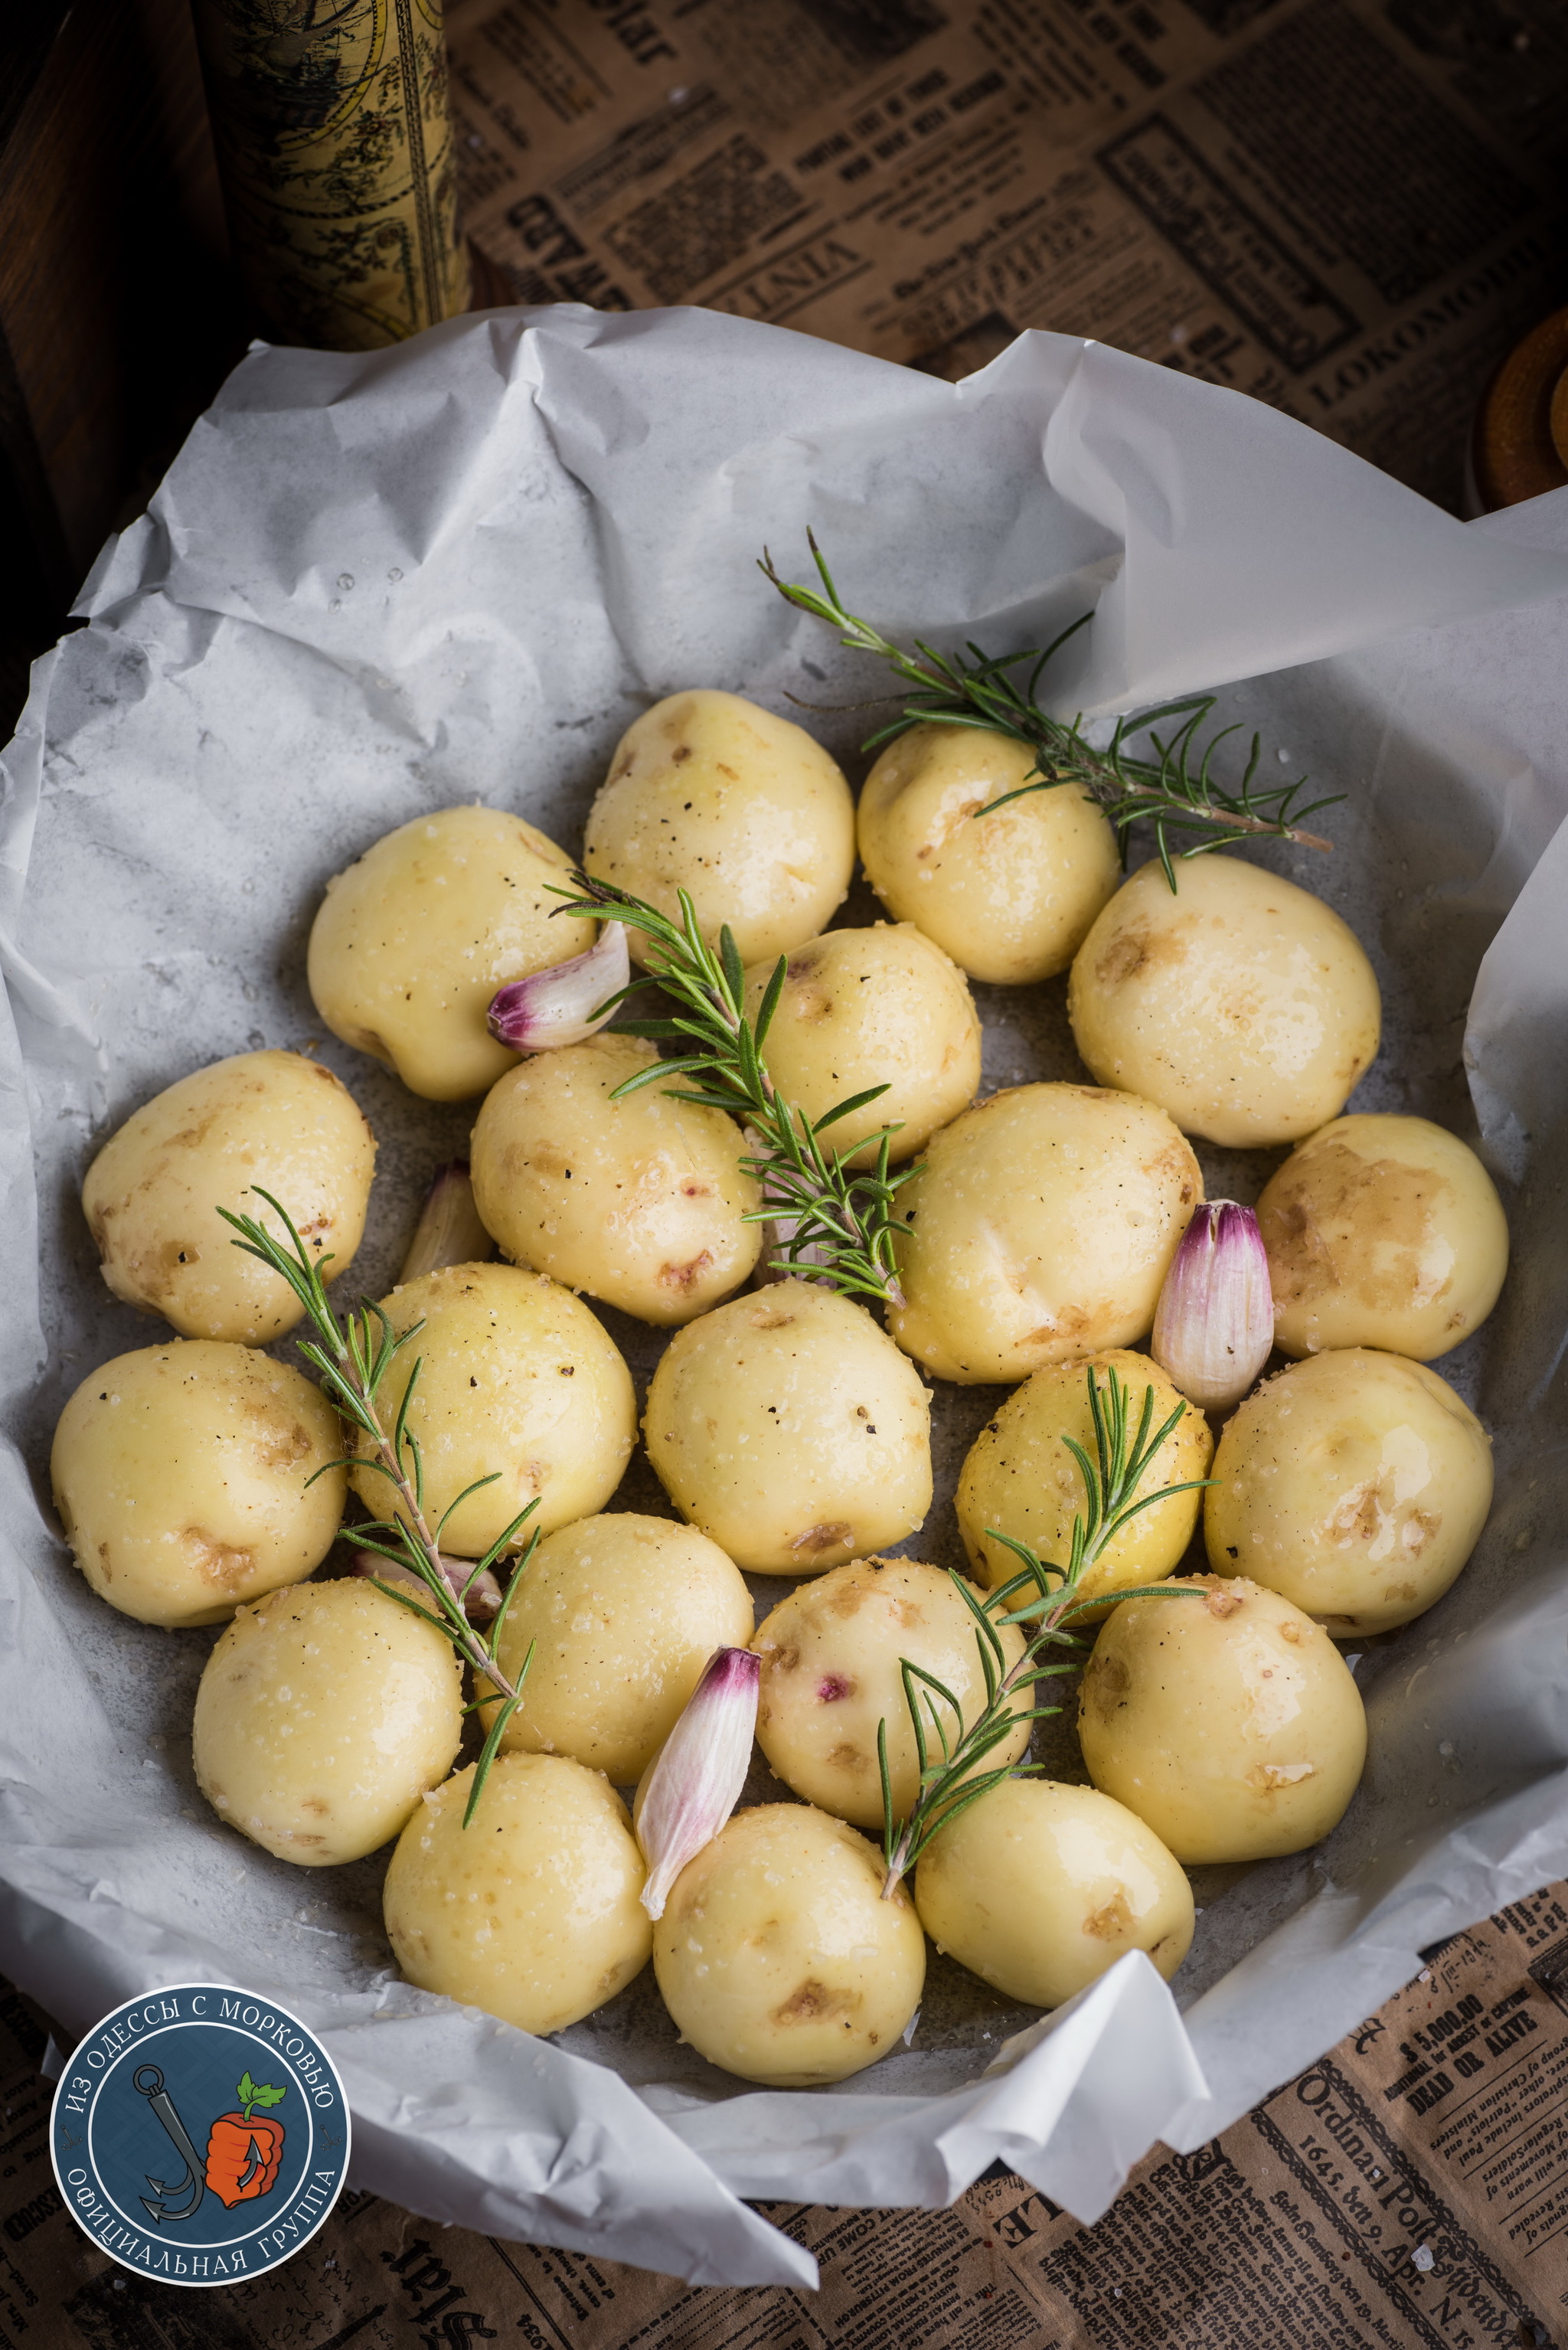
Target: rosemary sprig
x=353 y=1358
x=837 y=1221
x=1176 y=789
x=948 y=1750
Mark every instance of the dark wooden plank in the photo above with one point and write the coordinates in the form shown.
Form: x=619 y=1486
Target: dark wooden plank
x=118 y=314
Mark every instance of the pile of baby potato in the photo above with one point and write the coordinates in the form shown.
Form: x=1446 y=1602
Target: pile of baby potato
x=790 y=1429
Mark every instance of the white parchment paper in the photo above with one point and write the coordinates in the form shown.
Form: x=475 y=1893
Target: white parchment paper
x=373 y=586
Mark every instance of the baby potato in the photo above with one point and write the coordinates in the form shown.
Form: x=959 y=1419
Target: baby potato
x=411 y=943
x=1382 y=1231
x=622 y=1614
x=517 y=1378
x=830 y=1673
x=638 y=1201
x=708 y=794
x=1243 y=1006
x=791 y=1429
x=323 y=1715
x=1039 y=1889
x=1355 y=1485
x=179 y=1474
x=1229 y=1722
x=778 y=1956
x=533 y=1913
x=1008 y=895
x=1039 y=1229
x=152 y=1194
x=1020 y=1477
x=878 y=1007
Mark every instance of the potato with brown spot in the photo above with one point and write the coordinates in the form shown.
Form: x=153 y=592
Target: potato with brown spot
x=1009 y=895
x=830 y=1656
x=1039 y=1889
x=1241 y=1005
x=1020 y=1478
x=323 y=1715
x=710 y=793
x=411 y=943
x=1382 y=1231
x=639 y=1202
x=534 y=1912
x=778 y=1956
x=152 y=1194
x=1355 y=1485
x=864 y=1008
x=1040 y=1230
x=791 y=1429
x=1227 y=1721
x=518 y=1379
x=180 y=1477
x=622 y=1614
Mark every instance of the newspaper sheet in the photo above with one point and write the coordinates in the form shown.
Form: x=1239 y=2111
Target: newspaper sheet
x=1208 y=183
x=1409 y=2192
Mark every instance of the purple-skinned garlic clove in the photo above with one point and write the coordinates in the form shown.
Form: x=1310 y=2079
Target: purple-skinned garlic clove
x=566 y=1003
x=1214 y=1325
x=774 y=1264
x=695 y=1780
x=483 y=1592
x=778 y=1231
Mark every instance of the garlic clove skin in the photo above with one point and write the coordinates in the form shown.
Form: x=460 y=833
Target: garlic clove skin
x=695 y=1780
x=1214 y=1325
x=777 y=1233
x=449 y=1231
x=566 y=1004
x=483 y=1599
x=772 y=1266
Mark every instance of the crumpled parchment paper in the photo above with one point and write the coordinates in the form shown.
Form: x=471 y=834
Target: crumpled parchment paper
x=373 y=586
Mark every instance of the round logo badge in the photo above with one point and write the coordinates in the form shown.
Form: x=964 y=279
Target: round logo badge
x=200 y=2135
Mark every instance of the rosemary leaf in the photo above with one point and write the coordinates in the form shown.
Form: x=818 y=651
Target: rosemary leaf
x=842 y=1216
x=1111 y=1480
x=415 y=1606
x=491 y=1745
x=503 y=1538
x=478 y=1486
x=353 y=1358
x=510 y=1594
x=1175 y=789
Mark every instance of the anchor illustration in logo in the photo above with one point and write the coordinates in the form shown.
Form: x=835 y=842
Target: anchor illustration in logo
x=243 y=2152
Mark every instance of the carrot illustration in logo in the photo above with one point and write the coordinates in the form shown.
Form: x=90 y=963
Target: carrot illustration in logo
x=243 y=2153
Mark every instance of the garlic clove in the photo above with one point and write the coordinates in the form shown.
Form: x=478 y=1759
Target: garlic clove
x=449 y=1231
x=484 y=1598
x=777 y=1233
x=566 y=1004
x=776 y=1264
x=695 y=1780
x=1214 y=1325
